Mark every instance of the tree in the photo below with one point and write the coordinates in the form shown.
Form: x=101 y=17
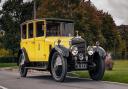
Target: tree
x=13 y=13
x=111 y=34
x=93 y=25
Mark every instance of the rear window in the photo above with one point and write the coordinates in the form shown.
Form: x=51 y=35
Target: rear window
x=24 y=31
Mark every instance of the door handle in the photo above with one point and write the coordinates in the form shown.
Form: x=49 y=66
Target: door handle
x=33 y=42
x=38 y=46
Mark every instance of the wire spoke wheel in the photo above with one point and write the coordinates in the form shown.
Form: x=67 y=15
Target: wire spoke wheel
x=58 y=67
x=22 y=69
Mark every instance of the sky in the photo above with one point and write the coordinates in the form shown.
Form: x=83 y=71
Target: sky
x=117 y=8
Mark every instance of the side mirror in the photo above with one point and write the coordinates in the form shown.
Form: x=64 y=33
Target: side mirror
x=77 y=34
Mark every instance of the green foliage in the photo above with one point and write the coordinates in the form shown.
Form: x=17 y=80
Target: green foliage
x=124 y=34
x=92 y=24
x=4 y=52
x=13 y=13
x=2 y=65
x=8 y=59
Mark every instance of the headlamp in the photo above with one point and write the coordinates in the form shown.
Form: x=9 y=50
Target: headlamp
x=90 y=53
x=74 y=50
x=90 y=50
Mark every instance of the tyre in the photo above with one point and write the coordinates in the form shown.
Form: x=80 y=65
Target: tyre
x=50 y=71
x=58 y=67
x=97 y=72
x=22 y=70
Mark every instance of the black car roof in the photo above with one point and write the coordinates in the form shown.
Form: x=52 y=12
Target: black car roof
x=50 y=19
x=58 y=19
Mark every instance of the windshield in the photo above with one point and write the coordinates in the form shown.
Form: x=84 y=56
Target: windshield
x=55 y=28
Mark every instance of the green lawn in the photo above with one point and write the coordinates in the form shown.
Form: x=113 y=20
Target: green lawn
x=2 y=65
x=118 y=74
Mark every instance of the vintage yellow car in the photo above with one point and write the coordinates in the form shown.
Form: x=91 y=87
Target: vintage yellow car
x=49 y=44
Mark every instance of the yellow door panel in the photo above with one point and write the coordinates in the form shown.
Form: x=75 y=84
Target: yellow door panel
x=40 y=48
x=30 y=48
x=48 y=48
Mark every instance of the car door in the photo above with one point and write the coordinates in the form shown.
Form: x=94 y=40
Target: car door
x=40 y=41
x=23 y=42
x=30 y=42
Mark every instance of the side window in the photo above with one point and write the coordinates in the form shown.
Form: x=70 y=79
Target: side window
x=30 y=30
x=53 y=29
x=40 y=29
x=24 y=31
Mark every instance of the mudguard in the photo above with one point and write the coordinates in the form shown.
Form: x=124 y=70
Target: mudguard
x=99 y=50
x=25 y=53
x=62 y=50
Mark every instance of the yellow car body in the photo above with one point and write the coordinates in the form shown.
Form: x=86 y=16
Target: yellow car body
x=38 y=48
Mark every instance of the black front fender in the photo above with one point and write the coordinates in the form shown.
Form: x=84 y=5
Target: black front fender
x=100 y=50
x=62 y=50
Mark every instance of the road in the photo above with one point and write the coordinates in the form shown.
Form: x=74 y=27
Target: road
x=11 y=80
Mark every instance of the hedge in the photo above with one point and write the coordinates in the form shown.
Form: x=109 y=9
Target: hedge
x=8 y=59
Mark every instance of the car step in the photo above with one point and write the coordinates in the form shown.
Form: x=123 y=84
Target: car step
x=36 y=68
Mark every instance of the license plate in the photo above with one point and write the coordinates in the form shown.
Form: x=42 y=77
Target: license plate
x=81 y=66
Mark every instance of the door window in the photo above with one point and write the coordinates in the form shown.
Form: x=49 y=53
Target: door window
x=40 y=29
x=30 y=30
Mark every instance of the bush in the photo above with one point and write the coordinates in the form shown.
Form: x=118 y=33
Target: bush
x=8 y=59
x=4 y=52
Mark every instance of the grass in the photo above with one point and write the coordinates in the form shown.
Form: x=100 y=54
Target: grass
x=2 y=65
x=118 y=74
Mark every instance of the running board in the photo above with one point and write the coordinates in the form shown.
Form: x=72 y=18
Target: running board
x=36 y=68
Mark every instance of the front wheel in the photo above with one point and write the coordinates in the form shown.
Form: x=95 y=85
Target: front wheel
x=97 y=72
x=58 y=67
x=22 y=70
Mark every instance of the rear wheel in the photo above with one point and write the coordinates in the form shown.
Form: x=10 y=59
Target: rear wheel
x=22 y=70
x=58 y=67
x=97 y=72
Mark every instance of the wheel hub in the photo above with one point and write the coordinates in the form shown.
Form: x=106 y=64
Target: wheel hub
x=58 y=66
x=58 y=61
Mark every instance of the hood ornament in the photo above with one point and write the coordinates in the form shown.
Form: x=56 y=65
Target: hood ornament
x=77 y=34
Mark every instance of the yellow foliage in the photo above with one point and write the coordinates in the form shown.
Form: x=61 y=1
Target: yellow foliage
x=4 y=52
